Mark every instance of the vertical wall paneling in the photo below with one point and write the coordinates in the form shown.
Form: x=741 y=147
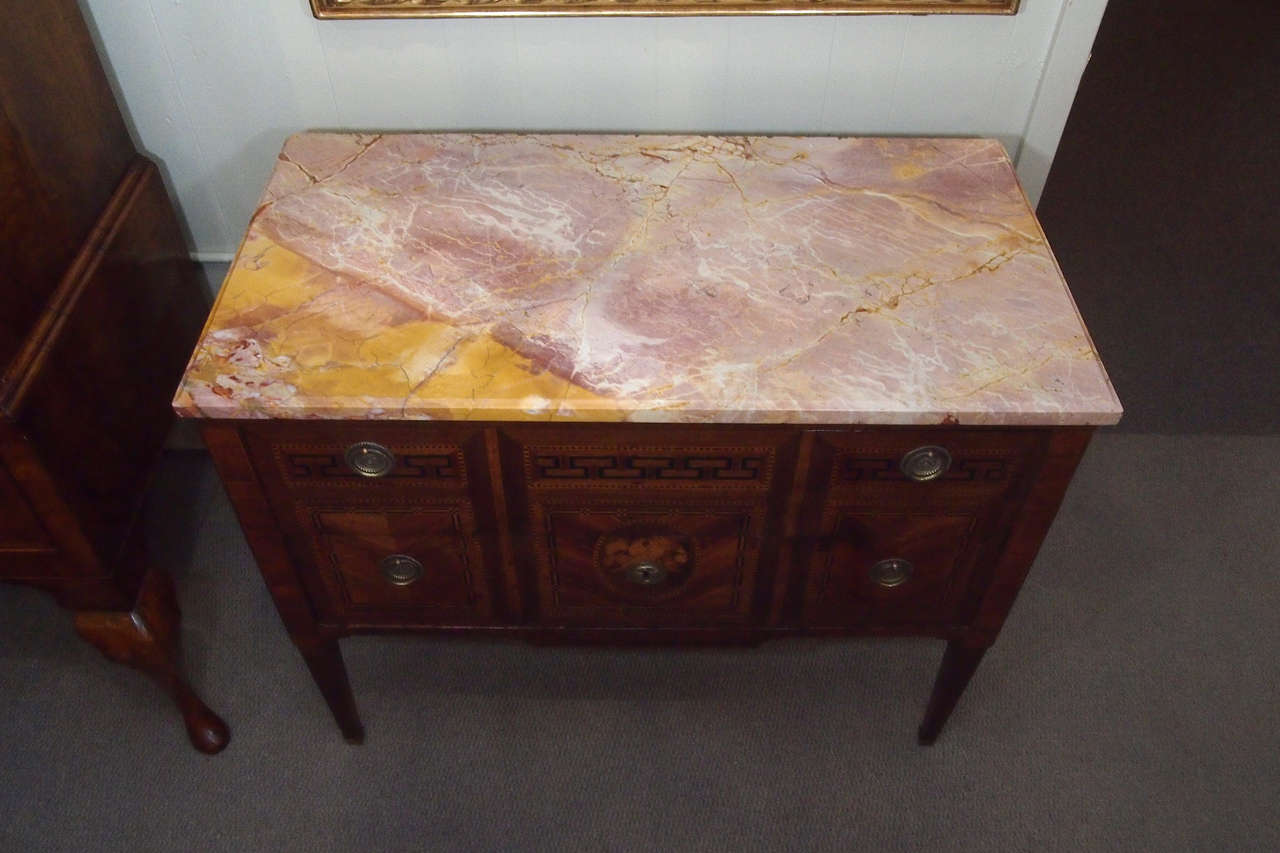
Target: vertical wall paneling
x=866 y=61
x=138 y=63
x=394 y=74
x=786 y=93
x=213 y=86
x=251 y=74
x=691 y=72
x=586 y=73
x=1067 y=56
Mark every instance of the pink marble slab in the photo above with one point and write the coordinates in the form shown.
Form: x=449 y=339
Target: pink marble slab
x=646 y=278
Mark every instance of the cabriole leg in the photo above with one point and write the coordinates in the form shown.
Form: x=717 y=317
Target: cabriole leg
x=147 y=640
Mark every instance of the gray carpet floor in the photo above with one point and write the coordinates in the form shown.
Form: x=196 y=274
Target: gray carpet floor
x=1132 y=703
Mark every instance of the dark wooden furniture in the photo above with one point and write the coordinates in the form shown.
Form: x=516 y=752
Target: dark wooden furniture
x=631 y=532
x=645 y=389
x=99 y=305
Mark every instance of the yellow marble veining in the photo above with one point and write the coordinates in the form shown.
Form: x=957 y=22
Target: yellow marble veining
x=367 y=356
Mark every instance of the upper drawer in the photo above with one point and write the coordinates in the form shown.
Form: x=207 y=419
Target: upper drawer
x=919 y=465
x=667 y=459
x=305 y=457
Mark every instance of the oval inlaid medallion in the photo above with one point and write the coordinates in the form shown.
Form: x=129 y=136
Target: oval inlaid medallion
x=619 y=552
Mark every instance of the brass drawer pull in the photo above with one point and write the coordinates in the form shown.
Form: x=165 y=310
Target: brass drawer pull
x=925 y=463
x=646 y=574
x=369 y=459
x=892 y=572
x=400 y=569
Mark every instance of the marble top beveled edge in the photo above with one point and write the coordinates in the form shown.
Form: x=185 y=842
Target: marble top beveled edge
x=1101 y=409
x=374 y=411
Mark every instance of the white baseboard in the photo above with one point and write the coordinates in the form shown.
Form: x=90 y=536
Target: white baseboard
x=212 y=257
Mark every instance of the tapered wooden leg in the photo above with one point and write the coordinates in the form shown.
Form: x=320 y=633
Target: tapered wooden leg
x=147 y=639
x=959 y=662
x=324 y=659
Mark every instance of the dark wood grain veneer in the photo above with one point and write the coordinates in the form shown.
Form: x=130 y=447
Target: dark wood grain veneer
x=781 y=547
x=99 y=306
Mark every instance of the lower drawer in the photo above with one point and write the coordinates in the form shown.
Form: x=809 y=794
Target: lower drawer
x=398 y=564
x=635 y=566
x=890 y=569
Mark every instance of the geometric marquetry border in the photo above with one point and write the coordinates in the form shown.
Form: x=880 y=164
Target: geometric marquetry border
x=569 y=465
x=424 y=465
x=978 y=466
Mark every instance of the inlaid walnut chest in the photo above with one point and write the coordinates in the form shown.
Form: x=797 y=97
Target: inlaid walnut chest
x=645 y=389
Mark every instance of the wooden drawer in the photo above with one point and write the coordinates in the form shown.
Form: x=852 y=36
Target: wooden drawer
x=364 y=457
x=864 y=506
x=626 y=458
x=688 y=505
x=638 y=526
x=398 y=564
x=874 y=464
x=887 y=568
x=645 y=565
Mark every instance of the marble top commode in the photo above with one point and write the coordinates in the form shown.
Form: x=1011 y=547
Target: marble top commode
x=646 y=278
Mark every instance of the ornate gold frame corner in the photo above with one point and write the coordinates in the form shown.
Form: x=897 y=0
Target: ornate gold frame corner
x=339 y=9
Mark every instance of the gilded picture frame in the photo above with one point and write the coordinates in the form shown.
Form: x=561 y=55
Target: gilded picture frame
x=337 y=9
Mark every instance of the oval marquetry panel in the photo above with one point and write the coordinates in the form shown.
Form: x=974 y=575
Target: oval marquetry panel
x=707 y=555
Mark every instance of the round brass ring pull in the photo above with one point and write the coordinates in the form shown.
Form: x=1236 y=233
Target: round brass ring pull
x=369 y=459
x=925 y=463
x=892 y=572
x=646 y=574
x=400 y=569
